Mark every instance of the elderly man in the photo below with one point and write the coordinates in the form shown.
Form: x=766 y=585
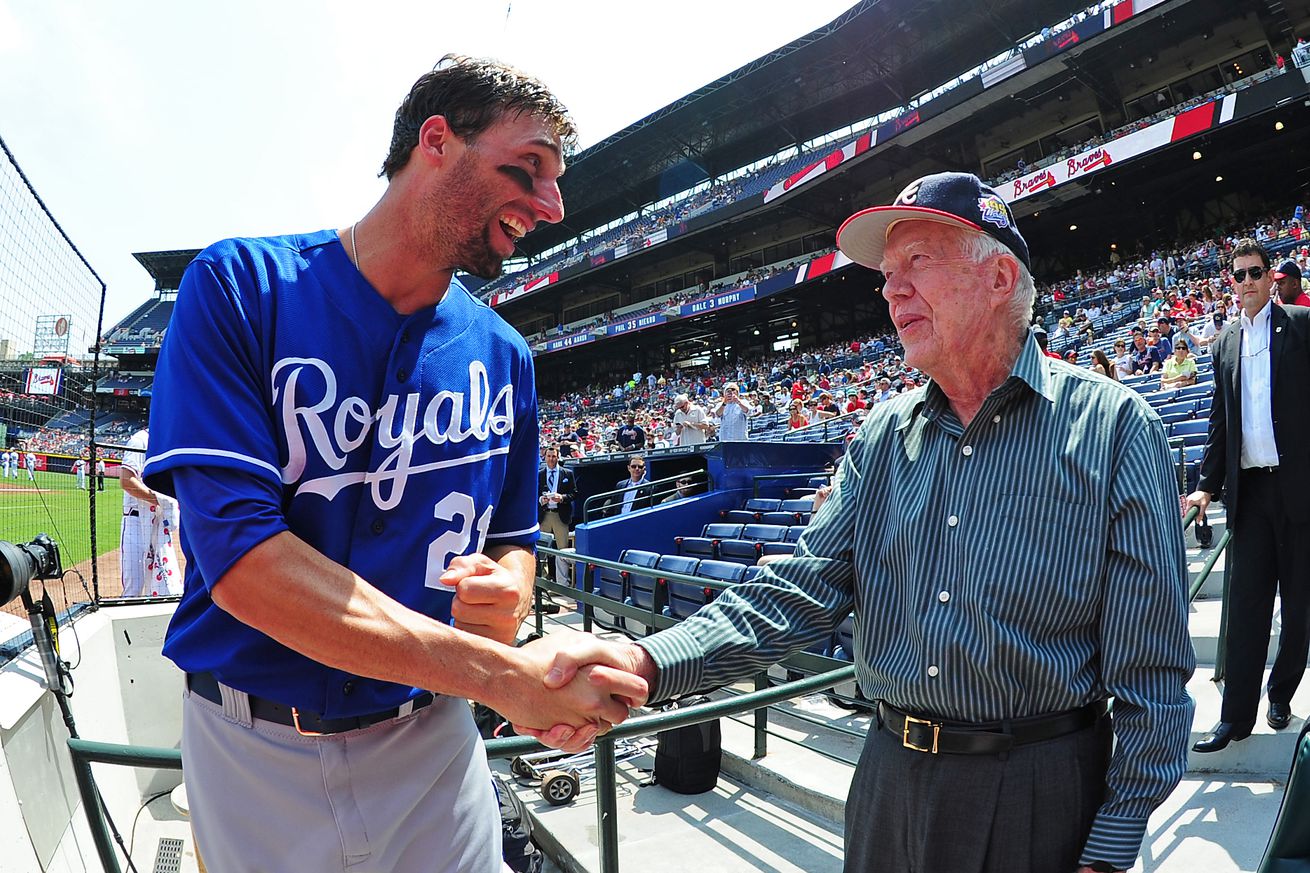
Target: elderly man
x=732 y=412
x=690 y=427
x=1003 y=539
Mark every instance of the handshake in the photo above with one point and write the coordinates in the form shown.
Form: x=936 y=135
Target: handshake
x=578 y=687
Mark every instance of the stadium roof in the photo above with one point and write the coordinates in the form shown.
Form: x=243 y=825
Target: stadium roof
x=166 y=268
x=877 y=55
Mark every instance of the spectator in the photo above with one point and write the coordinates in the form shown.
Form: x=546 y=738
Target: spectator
x=636 y=488
x=732 y=413
x=631 y=437
x=1179 y=369
x=1102 y=364
x=1287 y=279
x=1123 y=361
x=689 y=425
x=797 y=419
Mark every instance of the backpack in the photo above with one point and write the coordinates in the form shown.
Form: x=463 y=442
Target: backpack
x=520 y=853
x=687 y=759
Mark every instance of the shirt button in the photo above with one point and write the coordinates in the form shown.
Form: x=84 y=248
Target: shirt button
x=933 y=671
x=996 y=419
x=952 y=521
x=944 y=597
x=967 y=451
x=404 y=336
x=377 y=526
x=348 y=687
x=402 y=375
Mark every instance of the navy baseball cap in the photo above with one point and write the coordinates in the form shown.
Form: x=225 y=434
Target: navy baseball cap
x=1287 y=268
x=958 y=199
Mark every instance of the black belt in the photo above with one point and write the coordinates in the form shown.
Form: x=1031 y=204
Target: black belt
x=948 y=738
x=307 y=723
x=1262 y=471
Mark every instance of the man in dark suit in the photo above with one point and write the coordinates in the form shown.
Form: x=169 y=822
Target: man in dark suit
x=555 y=504
x=636 y=489
x=1255 y=455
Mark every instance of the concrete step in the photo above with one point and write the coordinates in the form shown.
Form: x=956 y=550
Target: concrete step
x=1203 y=624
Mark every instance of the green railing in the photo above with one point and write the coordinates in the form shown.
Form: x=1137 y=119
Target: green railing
x=86 y=752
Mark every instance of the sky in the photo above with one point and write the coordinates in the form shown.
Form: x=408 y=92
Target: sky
x=148 y=126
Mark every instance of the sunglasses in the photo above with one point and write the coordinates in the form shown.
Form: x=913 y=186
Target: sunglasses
x=1257 y=273
x=636 y=466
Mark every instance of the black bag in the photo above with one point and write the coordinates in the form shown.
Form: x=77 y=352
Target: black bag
x=687 y=759
x=520 y=853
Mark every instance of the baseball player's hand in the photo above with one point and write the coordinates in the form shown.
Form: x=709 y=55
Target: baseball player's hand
x=490 y=600
x=569 y=713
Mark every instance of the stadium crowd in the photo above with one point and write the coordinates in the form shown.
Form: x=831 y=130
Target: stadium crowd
x=1183 y=297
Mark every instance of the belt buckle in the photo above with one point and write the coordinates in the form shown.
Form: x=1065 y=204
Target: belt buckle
x=295 y=721
x=905 y=734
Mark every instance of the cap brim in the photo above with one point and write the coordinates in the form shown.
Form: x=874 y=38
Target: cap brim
x=863 y=236
x=1280 y=275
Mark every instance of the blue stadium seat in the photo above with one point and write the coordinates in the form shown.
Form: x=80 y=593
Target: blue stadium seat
x=738 y=516
x=783 y=519
x=768 y=533
x=721 y=531
x=724 y=571
x=1197 y=391
x=794 y=533
x=819 y=481
x=780 y=548
x=683 y=598
x=752 y=573
x=798 y=506
x=642 y=590
x=1186 y=408
x=762 y=504
x=698 y=547
x=843 y=639
x=740 y=551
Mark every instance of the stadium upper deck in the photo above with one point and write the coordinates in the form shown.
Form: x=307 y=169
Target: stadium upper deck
x=1113 y=73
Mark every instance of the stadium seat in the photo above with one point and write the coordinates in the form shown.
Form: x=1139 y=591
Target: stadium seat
x=752 y=573
x=683 y=598
x=765 y=533
x=794 y=532
x=780 y=548
x=762 y=504
x=697 y=547
x=843 y=639
x=783 y=519
x=740 y=551
x=738 y=516
x=723 y=571
x=642 y=590
x=1185 y=408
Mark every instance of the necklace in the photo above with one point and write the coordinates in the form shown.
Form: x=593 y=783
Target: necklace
x=354 y=251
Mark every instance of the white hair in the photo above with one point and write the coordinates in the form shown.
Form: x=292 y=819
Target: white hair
x=981 y=246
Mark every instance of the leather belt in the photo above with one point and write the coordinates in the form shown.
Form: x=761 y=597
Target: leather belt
x=308 y=724
x=951 y=738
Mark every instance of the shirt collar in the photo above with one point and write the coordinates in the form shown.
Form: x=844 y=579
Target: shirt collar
x=1261 y=318
x=1032 y=368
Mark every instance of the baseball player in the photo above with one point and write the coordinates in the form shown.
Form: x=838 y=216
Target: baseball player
x=79 y=470
x=29 y=459
x=359 y=547
x=150 y=521
x=7 y=462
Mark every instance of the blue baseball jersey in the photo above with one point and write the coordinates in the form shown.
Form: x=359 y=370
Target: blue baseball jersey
x=291 y=396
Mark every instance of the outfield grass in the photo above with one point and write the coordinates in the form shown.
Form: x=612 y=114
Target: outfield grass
x=57 y=507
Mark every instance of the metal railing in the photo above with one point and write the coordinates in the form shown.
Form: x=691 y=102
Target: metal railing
x=597 y=505
x=86 y=752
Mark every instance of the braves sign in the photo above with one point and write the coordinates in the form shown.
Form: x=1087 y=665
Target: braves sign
x=1099 y=157
x=1028 y=184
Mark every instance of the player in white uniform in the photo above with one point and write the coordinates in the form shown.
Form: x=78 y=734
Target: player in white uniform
x=79 y=469
x=6 y=459
x=30 y=460
x=149 y=557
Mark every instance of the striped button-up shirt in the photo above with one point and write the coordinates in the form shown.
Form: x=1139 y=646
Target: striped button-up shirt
x=1029 y=563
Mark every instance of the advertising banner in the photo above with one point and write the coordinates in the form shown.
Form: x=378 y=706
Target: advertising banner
x=717 y=301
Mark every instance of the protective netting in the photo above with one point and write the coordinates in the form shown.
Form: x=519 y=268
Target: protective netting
x=51 y=306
